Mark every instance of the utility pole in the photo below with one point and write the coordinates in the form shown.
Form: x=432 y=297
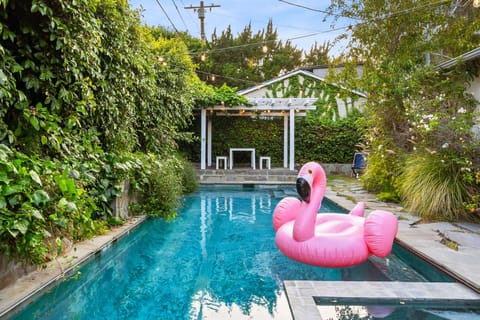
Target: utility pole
x=201 y=15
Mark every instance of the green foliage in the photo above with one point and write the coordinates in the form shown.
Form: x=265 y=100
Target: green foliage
x=412 y=108
x=323 y=141
x=160 y=184
x=189 y=177
x=82 y=85
x=318 y=54
x=240 y=61
x=41 y=200
x=327 y=141
x=433 y=188
x=327 y=96
x=383 y=169
x=223 y=95
x=388 y=197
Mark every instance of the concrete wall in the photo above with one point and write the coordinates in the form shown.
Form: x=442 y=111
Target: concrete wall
x=10 y=271
x=474 y=89
x=337 y=168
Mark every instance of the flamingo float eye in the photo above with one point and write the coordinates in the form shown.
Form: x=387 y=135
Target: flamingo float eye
x=310 y=171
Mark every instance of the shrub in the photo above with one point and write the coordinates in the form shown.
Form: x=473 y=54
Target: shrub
x=327 y=141
x=189 y=178
x=161 y=184
x=382 y=173
x=432 y=187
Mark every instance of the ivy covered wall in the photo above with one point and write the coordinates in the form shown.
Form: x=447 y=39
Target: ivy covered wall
x=333 y=102
x=315 y=140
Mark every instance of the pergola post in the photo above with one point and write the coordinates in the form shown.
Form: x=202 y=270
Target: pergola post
x=288 y=108
x=292 y=139
x=285 y=141
x=209 y=142
x=203 y=138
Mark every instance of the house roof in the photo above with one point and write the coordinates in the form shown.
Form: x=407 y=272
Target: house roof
x=287 y=75
x=468 y=56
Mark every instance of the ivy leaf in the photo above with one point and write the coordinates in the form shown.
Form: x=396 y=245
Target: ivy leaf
x=34 y=123
x=11 y=189
x=40 y=196
x=21 y=225
x=3 y=77
x=36 y=214
x=66 y=205
x=13 y=232
x=3 y=203
x=4 y=178
x=35 y=177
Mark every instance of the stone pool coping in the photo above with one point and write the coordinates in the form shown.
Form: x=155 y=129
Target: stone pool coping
x=424 y=239
x=303 y=295
x=27 y=286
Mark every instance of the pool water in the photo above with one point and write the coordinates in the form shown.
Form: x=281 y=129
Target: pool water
x=216 y=260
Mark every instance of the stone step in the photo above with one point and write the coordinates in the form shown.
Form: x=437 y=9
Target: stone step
x=247 y=175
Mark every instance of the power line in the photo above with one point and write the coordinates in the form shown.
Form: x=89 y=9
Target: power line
x=316 y=10
x=371 y=19
x=260 y=43
x=181 y=17
x=348 y=27
x=166 y=14
x=209 y=74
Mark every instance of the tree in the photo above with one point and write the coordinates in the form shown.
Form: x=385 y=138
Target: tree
x=248 y=58
x=398 y=41
x=318 y=54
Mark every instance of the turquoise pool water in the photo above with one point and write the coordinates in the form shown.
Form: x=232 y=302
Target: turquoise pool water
x=216 y=260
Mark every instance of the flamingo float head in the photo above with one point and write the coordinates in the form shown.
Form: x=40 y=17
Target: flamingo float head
x=311 y=176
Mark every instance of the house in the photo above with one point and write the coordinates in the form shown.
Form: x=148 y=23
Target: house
x=302 y=92
x=331 y=100
x=473 y=87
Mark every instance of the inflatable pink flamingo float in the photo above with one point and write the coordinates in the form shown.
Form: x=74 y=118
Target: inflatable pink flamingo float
x=329 y=239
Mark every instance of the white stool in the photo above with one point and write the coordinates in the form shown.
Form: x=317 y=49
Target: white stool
x=267 y=162
x=225 y=162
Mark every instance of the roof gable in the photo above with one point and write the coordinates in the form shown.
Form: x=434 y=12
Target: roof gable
x=468 y=56
x=291 y=75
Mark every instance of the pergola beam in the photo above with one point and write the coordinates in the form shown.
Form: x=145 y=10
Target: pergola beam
x=288 y=108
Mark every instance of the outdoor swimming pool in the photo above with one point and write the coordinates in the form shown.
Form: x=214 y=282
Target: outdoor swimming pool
x=216 y=260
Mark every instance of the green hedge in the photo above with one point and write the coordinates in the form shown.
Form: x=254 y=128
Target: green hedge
x=327 y=141
x=322 y=141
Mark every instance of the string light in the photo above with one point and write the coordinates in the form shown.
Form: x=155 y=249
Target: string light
x=162 y=61
x=476 y=3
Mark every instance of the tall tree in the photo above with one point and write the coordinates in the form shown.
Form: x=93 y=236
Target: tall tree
x=411 y=108
x=318 y=54
x=248 y=58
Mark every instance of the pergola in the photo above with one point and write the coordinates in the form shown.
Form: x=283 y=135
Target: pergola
x=263 y=108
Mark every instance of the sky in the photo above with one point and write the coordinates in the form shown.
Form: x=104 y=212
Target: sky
x=299 y=25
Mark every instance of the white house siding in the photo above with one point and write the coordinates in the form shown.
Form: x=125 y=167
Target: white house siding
x=262 y=91
x=474 y=89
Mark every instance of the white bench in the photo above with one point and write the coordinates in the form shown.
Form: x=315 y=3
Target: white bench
x=268 y=162
x=221 y=158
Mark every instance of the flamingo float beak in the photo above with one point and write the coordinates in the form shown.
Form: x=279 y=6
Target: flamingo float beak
x=304 y=187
